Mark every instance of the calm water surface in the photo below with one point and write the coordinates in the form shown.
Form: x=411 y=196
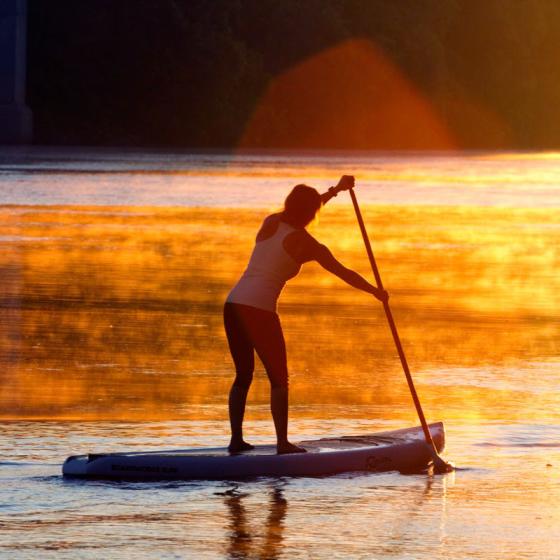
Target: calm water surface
x=114 y=266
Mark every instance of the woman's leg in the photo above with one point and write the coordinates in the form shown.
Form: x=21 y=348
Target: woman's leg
x=237 y=401
x=271 y=348
x=279 y=409
x=242 y=353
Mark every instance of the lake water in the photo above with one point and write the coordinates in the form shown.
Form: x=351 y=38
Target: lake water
x=114 y=266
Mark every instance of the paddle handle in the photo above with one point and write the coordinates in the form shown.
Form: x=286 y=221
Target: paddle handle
x=392 y=326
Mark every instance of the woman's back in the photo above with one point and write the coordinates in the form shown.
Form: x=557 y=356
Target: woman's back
x=269 y=268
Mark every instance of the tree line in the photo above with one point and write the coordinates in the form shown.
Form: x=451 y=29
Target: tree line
x=191 y=73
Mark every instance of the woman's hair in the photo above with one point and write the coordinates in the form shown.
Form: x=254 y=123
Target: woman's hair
x=301 y=206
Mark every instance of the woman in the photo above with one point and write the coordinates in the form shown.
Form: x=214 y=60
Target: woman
x=250 y=319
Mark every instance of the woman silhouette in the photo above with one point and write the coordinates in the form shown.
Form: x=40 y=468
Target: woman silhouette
x=250 y=319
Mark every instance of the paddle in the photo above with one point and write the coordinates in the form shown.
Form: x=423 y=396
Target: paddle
x=440 y=466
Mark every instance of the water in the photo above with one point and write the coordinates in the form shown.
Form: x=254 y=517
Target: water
x=114 y=266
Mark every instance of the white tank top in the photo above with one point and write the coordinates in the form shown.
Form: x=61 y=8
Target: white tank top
x=269 y=268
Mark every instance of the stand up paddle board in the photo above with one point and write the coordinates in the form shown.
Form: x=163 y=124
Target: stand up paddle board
x=401 y=450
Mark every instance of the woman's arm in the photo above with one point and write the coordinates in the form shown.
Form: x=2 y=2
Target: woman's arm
x=346 y=182
x=327 y=260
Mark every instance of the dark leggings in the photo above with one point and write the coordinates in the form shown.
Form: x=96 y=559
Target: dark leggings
x=249 y=329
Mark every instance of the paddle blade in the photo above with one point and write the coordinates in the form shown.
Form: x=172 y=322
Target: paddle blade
x=440 y=466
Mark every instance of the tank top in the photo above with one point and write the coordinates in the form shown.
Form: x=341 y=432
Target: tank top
x=269 y=268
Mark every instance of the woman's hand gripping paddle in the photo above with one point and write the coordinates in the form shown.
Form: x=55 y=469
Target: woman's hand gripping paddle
x=440 y=465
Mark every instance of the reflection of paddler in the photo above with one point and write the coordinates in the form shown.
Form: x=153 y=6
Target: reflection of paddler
x=275 y=525
x=251 y=322
x=241 y=540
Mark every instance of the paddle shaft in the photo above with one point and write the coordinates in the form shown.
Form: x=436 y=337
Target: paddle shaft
x=392 y=326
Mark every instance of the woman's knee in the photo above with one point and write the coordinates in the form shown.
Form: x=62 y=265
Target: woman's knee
x=243 y=380
x=278 y=380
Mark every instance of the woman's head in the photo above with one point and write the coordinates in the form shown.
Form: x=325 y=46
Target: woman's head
x=301 y=205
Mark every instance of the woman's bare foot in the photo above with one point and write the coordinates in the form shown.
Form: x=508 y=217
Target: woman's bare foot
x=288 y=447
x=239 y=446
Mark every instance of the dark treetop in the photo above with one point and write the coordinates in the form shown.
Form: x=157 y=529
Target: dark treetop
x=192 y=72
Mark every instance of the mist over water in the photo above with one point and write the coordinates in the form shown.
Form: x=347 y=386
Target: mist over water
x=114 y=267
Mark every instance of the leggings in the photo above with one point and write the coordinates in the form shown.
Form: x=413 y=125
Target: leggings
x=249 y=329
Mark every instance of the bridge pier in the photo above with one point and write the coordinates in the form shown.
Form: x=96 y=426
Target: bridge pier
x=15 y=116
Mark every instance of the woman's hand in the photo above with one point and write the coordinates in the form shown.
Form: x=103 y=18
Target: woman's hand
x=381 y=295
x=345 y=183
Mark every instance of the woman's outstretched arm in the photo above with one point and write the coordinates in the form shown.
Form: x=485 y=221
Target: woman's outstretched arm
x=327 y=260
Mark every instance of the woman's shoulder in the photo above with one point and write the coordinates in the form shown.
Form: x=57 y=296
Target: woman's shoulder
x=268 y=227
x=301 y=246
x=303 y=236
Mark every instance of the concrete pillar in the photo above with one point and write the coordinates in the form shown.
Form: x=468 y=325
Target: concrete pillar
x=15 y=116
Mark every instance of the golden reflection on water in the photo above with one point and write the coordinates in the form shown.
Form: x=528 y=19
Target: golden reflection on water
x=115 y=313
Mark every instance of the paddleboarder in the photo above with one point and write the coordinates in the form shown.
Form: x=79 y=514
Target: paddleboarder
x=251 y=322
